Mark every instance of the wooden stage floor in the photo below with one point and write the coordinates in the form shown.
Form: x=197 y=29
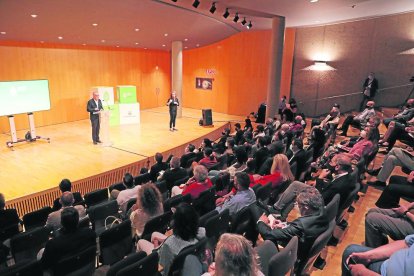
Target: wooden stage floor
x=33 y=167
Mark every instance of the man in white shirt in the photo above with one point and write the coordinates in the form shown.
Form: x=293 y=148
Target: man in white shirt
x=130 y=192
x=360 y=120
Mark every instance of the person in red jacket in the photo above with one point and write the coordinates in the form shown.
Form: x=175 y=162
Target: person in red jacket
x=195 y=185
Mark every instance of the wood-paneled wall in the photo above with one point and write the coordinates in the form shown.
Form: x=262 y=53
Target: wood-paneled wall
x=73 y=70
x=241 y=66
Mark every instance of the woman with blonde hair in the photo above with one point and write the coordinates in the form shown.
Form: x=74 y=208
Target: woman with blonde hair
x=148 y=205
x=279 y=173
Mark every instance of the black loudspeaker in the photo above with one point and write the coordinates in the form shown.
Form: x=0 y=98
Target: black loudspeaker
x=207 y=117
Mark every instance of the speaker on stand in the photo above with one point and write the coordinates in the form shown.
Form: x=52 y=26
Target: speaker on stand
x=207 y=117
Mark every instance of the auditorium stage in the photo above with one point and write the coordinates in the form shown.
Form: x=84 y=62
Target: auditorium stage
x=34 y=167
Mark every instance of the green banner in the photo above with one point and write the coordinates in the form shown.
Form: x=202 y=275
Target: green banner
x=127 y=94
x=114 y=117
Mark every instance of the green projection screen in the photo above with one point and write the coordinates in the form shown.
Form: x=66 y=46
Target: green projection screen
x=24 y=96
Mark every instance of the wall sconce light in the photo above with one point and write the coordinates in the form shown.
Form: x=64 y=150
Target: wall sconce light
x=319 y=65
x=407 y=52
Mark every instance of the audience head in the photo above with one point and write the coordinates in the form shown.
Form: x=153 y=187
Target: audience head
x=310 y=201
x=241 y=181
x=297 y=144
x=261 y=141
x=237 y=126
x=298 y=119
x=128 y=180
x=410 y=103
x=374 y=121
x=334 y=112
x=185 y=221
x=149 y=199
x=190 y=148
x=158 y=157
x=69 y=219
x=281 y=164
x=248 y=123
x=226 y=131
x=65 y=185
x=260 y=128
x=241 y=155
x=200 y=173
x=278 y=147
x=292 y=101
x=341 y=163
x=370 y=104
x=175 y=162
x=235 y=256
x=206 y=143
x=143 y=170
x=2 y=202
x=230 y=143
x=67 y=199
x=371 y=75
x=251 y=166
x=208 y=153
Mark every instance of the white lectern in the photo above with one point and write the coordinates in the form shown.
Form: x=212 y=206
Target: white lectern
x=104 y=127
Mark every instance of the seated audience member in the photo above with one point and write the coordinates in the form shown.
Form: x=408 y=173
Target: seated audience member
x=296 y=126
x=71 y=240
x=403 y=116
x=401 y=133
x=157 y=167
x=122 y=197
x=239 y=166
x=297 y=154
x=206 y=143
x=395 y=258
x=148 y=205
x=279 y=173
x=261 y=154
x=311 y=223
x=396 y=157
x=66 y=201
x=238 y=136
x=66 y=186
x=259 y=132
x=174 y=173
x=234 y=256
x=209 y=159
x=330 y=122
x=229 y=146
x=188 y=155
x=186 y=232
x=359 y=120
x=363 y=147
x=398 y=187
x=195 y=185
x=244 y=195
x=248 y=125
x=271 y=126
x=143 y=170
x=276 y=147
x=284 y=135
x=396 y=223
x=332 y=181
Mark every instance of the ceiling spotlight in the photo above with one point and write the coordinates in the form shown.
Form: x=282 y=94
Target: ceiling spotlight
x=196 y=3
x=244 y=21
x=250 y=25
x=3 y=33
x=213 y=7
x=185 y=39
x=33 y=15
x=236 y=17
x=137 y=30
x=60 y=37
x=94 y=24
x=103 y=40
x=226 y=14
x=136 y=43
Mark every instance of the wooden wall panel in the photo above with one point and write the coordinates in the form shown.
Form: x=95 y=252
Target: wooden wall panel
x=241 y=64
x=73 y=70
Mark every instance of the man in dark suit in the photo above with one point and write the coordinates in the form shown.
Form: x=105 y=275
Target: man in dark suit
x=340 y=166
x=261 y=154
x=297 y=154
x=307 y=227
x=188 y=155
x=94 y=106
x=71 y=239
x=369 y=89
x=174 y=173
x=157 y=167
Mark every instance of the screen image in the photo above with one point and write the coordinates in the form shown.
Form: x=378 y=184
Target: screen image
x=24 y=96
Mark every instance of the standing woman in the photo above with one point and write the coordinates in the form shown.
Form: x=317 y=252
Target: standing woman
x=173 y=103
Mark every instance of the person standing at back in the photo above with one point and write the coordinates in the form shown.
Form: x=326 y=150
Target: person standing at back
x=94 y=106
x=173 y=104
x=370 y=87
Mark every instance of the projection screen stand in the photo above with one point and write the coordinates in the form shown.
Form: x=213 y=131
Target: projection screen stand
x=30 y=136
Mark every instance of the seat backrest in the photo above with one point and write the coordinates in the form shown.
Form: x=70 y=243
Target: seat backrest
x=117 y=186
x=115 y=243
x=331 y=210
x=26 y=245
x=242 y=224
x=263 y=192
x=218 y=224
x=190 y=161
x=294 y=168
x=142 y=179
x=31 y=268
x=36 y=218
x=178 y=262
x=206 y=201
x=284 y=261
x=255 y=188
x=348 y=202
x=96 y=197
x=203 y=219
x=157 y=224
x=320 y=242
x=98 y=213
x=180 y=181
x=9 y=231
x=84 y=222
x=265 y=252
x=131 y=259
x=146 y=266
x=174 y=201
x=80 y=263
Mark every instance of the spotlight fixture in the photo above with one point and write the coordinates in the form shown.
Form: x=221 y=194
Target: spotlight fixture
x=244 y=21
x=226 y=14
x=250 y=25
x=213 y=7
x=236 y=17
x=196 y=3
